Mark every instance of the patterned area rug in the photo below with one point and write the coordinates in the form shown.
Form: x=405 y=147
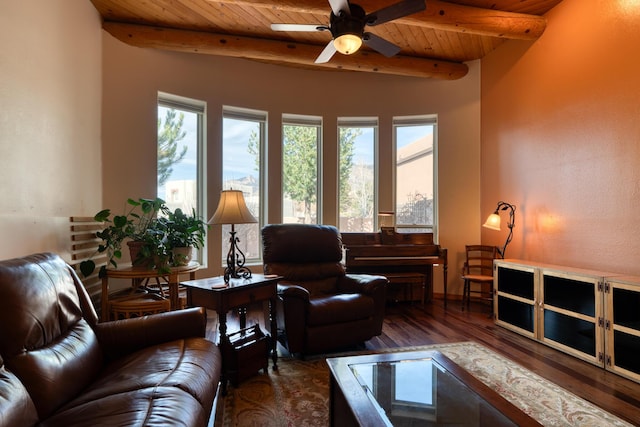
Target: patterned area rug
x=297 y=395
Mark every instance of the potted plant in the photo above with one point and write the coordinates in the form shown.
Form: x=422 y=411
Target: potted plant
x=138 y=224
x=183 y=233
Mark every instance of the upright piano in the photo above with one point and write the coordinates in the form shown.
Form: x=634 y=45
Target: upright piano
x=393 y=254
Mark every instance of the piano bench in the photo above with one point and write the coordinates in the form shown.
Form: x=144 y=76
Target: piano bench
x=409 y=280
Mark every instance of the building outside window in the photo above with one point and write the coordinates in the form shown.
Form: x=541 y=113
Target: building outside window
x=415 y=173
x=243 y=147
x=180 y=163
x=357 y=138
x=301 y=148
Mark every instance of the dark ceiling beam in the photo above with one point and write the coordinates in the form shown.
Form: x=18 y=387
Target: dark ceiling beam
x=438 y=15
x=279 y=51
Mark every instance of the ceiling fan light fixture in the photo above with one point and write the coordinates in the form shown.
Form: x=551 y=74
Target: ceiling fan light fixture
x=347 y=44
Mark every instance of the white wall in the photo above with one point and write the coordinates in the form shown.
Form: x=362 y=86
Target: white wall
x=133 y=76
x=50 y=114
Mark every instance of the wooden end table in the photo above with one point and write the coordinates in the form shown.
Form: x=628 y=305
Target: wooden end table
x=139 y=274
x=214 y=294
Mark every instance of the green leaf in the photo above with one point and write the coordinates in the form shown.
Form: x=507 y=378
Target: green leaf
x=87 y=267
x=102 y=215
x=103 y=272
x=119 y=221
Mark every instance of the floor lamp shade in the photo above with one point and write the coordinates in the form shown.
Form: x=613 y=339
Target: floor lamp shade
x=493 y=222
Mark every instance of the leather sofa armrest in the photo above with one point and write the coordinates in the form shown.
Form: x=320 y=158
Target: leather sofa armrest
x=361 y=283
x=121 y=337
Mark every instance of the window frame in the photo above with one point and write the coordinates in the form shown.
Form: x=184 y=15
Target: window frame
x=417 y=120
x=362 y=122
x=261 y=117
x=198 y=107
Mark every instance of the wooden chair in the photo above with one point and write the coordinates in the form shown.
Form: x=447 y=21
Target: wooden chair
x=478 y=269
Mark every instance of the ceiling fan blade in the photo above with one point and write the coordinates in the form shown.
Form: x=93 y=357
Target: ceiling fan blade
x=299 y=27
x=395 y=11
x=338 y=6
x=381 y=45
x=326 y=54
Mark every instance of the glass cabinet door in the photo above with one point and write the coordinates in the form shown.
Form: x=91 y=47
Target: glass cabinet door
x=622 y=325
x=571 y=308
x=515 y=299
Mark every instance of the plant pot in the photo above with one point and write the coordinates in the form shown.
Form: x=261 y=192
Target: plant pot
x=137 y=260
x=182 y=256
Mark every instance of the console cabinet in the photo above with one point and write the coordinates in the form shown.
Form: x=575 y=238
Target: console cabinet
x=622 y=326
x=593 y=315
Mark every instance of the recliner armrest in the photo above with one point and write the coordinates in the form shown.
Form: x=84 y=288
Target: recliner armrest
x=121 y=337
x=293 y=291
x=361 y=283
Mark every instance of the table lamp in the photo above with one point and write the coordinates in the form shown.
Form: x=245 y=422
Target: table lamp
x=232 y=209
x=493 y=222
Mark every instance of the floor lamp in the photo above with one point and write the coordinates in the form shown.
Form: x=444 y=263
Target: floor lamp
x=232 y=209
x=493 y=222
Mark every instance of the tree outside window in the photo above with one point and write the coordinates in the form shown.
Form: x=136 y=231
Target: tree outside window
x=301 y=139
x=357 y=203
x=179 y=146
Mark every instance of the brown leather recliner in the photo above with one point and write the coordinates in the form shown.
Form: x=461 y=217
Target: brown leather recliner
x=60 y=367
x=321 y=307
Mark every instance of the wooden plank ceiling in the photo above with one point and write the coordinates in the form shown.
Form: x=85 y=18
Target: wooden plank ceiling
x=435 y=43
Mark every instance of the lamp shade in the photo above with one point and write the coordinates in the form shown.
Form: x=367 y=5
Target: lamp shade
x=232 y=209
x=386 y=218
x=347 y=44
x=492 y=222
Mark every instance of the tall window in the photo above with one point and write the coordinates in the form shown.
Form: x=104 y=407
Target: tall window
x=243 y=145
x=301 y=143
x=416 y=191
x=180 y=160
x=357 y=174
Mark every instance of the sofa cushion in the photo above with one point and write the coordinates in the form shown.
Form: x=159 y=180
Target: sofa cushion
x=339 y=308
x=45 y=341
x=184 y=364
x=16 y=407
x=148 y=407
x=59 y=367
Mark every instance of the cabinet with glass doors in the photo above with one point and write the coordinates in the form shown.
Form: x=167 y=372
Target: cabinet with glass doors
x=593 y=315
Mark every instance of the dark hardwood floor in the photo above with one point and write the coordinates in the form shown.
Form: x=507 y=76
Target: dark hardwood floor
x=412 y=324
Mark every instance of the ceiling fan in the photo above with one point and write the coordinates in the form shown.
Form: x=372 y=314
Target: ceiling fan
x=347 y=22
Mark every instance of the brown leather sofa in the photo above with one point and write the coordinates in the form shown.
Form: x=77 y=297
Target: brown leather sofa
x=321 y=307
x=60 y=367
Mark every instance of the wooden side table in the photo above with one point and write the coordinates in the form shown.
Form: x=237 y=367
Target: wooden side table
x=214 y=294
x=136 y=273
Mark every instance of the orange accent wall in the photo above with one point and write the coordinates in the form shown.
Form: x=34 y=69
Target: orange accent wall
x=561 y=138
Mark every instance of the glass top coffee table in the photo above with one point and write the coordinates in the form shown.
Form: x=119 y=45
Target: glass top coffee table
x=414 y=388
